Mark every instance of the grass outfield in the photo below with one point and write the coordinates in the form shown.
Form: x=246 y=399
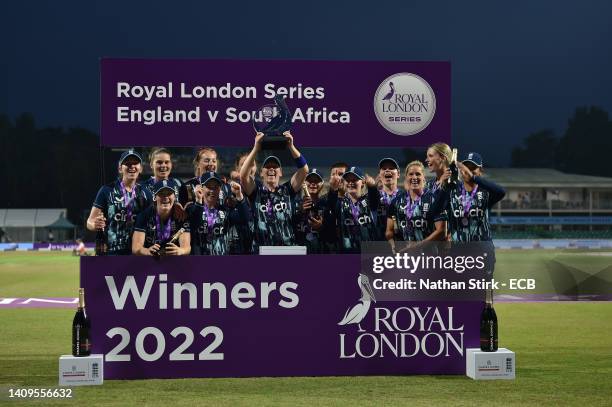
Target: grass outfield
x=564 y=355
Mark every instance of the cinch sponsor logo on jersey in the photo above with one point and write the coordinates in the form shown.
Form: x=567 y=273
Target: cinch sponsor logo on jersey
x=122 y=216
x=277 y=207
x=404 y=104
x=416 y=223
x=362 y=220
x=474 y=212
x=217 y=230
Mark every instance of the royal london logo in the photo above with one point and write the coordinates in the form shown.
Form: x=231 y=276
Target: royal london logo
x=357 y=313
x=398 y=331
x=404 y=104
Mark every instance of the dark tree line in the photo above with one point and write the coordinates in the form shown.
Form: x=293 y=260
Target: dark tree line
x=583 y=148
x=49 y=167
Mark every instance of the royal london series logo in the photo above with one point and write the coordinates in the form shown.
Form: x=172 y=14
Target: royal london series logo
x=398 y=331
x=404 y=104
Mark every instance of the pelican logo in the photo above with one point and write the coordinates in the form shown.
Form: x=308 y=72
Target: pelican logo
x=355 y=314
x=404 y=104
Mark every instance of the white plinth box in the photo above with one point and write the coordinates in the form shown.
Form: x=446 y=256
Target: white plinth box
x=481 y=365
x=282 y=250
x=81 y=371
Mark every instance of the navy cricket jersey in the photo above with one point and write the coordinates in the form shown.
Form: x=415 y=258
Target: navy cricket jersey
x=468 y=211
x=147 y=222
x=273 y=214
x=414 y=219
x=210 y=225
x=120 y=211
x=356 y=220
x=383 y=210
x=240 y=235
x=175 y=183
x=316 y=241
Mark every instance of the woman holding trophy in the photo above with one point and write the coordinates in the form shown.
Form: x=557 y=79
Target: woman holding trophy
x=272 y=202
x=162 y=229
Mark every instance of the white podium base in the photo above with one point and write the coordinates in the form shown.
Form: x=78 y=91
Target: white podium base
x=481 y=365
x=81 y=371
x=282 y=250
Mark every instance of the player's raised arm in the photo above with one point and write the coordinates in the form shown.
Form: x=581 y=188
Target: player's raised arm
x=300 y=162
x=246 y=179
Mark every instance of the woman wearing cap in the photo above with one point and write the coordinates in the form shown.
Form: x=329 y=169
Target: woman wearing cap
x=354 y=212
x=210 y=219
x=117 y=205
x=467 y=202
x=156 y=225
x=410 y=217
x=160 y=161
x=205 y=161
x=272 y=203
x=388 y=175
x=312 y=217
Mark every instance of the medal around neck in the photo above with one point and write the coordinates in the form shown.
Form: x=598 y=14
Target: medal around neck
x=273 y=121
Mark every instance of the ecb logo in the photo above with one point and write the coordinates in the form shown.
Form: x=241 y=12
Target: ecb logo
x=404 y=104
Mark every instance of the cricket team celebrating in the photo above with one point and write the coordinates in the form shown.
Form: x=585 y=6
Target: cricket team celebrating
x=210 y=214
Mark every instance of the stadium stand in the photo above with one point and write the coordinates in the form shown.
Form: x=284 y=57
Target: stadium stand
x=35 y=225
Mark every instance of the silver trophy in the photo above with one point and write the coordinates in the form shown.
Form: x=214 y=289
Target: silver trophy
x=273 y=121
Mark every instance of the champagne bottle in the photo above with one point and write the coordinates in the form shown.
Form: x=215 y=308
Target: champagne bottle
x=101 y=246
x=81 y=344
x=305 y=191
x=454 y=178
x=173 y=239
x=488 y=325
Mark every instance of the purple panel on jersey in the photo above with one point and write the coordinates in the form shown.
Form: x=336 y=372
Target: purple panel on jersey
x=334 y=103
x=207 y=316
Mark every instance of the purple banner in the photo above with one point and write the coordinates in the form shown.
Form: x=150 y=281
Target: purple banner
x=333 y=103
x=264 y=316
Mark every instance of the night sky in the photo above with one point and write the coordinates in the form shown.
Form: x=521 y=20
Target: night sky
x=517 y=67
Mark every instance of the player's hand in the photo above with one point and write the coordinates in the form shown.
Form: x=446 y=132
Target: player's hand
x=100 y=222
x=289 y=138
x=445 y=176
x=258 y=138
x=306 y=204
x=342 y=188
x=236 y=190
x=466 y=174
x=334 y=183
x=370 y=182
x=173 y=250
x=199 y=194
x=315 y=222
x=153 y=250
x=379 y=182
